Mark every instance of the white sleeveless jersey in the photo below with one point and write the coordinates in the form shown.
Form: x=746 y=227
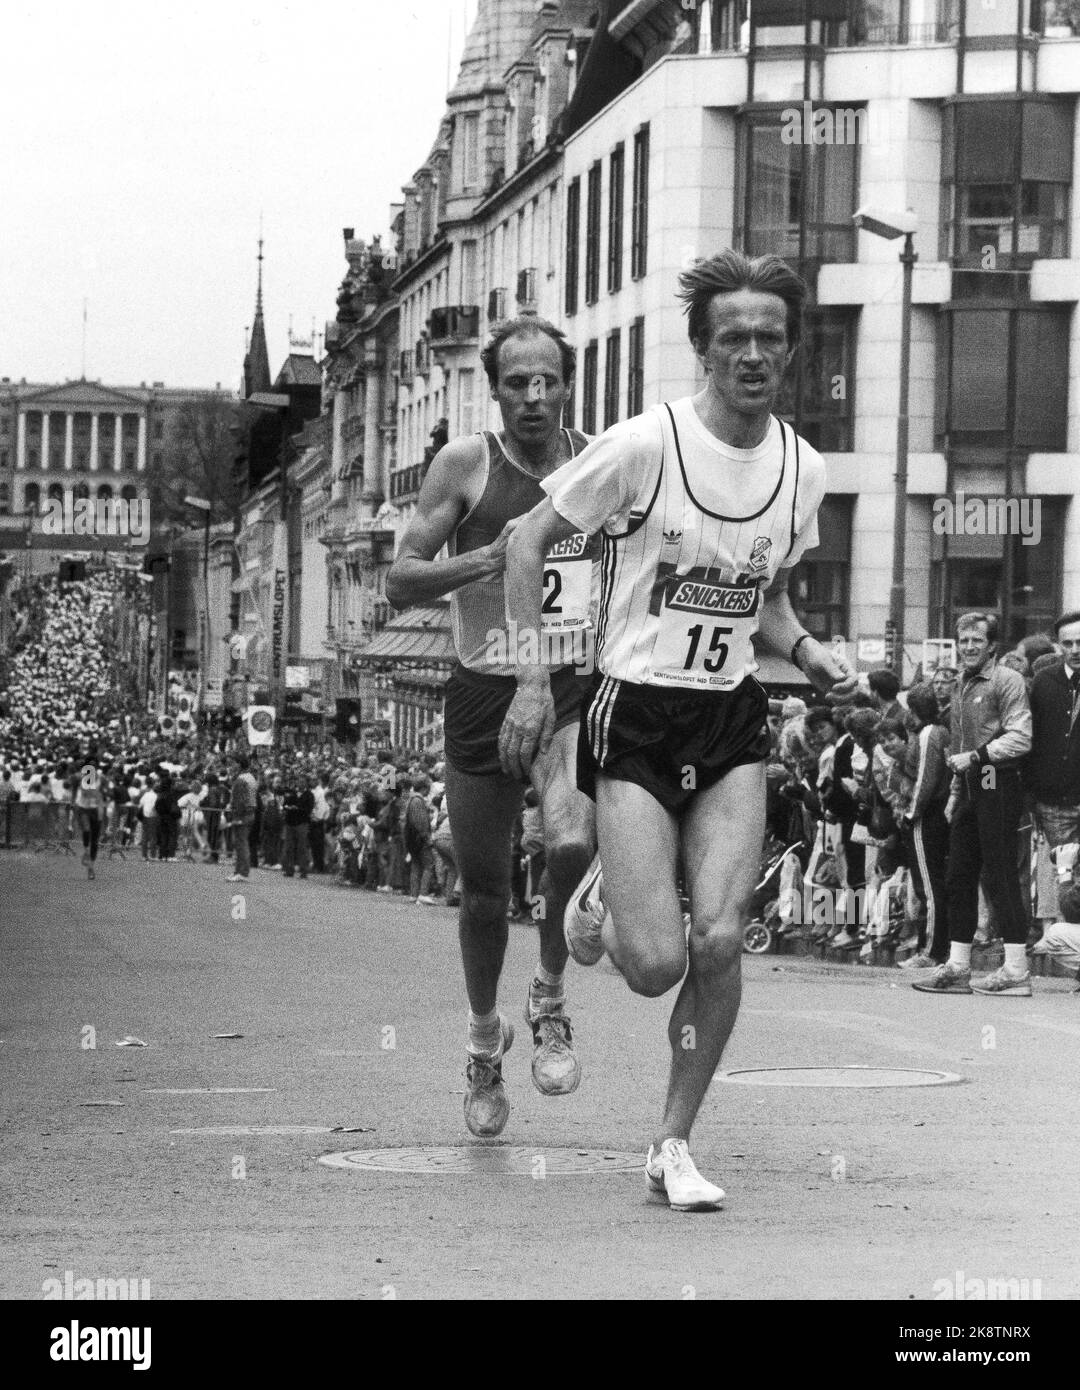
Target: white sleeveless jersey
x=693 y=532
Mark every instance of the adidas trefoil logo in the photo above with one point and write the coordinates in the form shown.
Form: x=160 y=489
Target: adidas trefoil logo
x=672 y=537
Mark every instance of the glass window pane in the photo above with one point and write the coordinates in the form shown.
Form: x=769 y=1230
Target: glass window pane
x=982 y=20
x=775 y=192
x=1042 y=380
x=986 y=141
x=1047 y=148
x=978 y=379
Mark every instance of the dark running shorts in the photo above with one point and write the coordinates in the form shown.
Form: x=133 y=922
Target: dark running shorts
x=475 y=707
x=651 y=735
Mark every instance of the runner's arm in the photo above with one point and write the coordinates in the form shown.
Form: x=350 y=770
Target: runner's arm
x=542 y=528
x=416 y=576
x=529 y=725
x=780 y=629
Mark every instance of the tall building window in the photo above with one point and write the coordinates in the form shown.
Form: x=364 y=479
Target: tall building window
x=777 y=203
x=1007 y=167
x=639 y=229
x=573 y=241
x=466 y=401
x=974 y=406
x=825 y=359
x=635 y=379
x=588 y=390
x=467 y=288
x=470 y=150
x=5 y=499
x=616 y=180
x=967 y=573
x=612 y=373
x=820 y=582
x=592 y=234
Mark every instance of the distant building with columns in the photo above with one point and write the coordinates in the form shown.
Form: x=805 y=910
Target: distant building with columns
x=83 y=438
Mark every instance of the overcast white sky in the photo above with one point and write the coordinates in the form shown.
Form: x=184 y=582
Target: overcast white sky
x=142 y=141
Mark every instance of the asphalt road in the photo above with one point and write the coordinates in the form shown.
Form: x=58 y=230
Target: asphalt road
x=351 y=1010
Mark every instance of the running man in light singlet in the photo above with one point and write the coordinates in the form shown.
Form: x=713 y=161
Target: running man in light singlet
x=476 y=491
x=704 y=505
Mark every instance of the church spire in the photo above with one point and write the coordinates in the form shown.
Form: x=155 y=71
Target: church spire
x=256 y=359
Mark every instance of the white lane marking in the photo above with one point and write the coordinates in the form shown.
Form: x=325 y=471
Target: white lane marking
x=244 y=1130
x=209 y=1090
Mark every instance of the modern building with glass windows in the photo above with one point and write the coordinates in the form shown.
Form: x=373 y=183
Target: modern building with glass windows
x=765 y=125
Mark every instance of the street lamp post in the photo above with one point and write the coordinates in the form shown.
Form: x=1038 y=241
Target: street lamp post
x=202 y=505
x=891 y=225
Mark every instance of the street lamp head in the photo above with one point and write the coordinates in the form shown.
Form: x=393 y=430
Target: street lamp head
x=885 y=222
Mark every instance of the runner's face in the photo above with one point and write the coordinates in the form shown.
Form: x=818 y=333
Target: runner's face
x=747 y=350
x=531 y=392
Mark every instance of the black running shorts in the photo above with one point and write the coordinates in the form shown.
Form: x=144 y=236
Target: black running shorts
x=475 y=707
x=671 y=742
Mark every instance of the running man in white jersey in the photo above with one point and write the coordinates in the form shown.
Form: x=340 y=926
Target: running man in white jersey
x=704 y=505
x=476 y=491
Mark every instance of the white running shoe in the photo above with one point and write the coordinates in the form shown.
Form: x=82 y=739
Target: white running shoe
x=584 y=916
x=672 y=1172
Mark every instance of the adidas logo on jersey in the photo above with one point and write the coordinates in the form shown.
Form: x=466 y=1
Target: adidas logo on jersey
x=672 y=537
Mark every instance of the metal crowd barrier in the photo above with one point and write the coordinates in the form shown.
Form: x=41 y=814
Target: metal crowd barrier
x=41 y=826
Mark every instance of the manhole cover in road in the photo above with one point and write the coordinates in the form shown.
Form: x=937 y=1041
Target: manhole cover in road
x=839 y=1076
x=511 y=1160
x=257 y=1129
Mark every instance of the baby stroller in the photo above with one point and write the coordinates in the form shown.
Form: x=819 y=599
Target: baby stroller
x=760 y=932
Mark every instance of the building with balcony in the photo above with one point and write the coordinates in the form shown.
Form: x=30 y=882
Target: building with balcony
x=360 y=397
x=440 y=272
x=765 y=126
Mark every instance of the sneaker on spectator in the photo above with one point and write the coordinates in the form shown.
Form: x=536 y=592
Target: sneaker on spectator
x=946 y=979
x=1005 y=981
x=919 y=961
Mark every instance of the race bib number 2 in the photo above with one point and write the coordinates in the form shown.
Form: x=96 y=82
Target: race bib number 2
x=567 y=586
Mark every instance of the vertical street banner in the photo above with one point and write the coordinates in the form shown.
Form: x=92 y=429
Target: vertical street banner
x=279 y=615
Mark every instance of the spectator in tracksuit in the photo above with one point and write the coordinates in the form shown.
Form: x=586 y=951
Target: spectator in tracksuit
x=1052 y=771
x=840 y=802
x=923 y=824
x=991 y=734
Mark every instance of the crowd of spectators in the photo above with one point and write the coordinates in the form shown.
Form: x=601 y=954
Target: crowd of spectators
x=925 y=819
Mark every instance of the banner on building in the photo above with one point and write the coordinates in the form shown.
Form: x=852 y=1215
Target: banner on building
x=213 y=696
x=259 y=725
x=279 y=615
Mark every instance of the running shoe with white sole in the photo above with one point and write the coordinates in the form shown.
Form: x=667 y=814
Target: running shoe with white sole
x=672 y=1173
x=556 y=1070
x=487 y=1106
x=1002 y=981
x=584 y=916
x=946 y=979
